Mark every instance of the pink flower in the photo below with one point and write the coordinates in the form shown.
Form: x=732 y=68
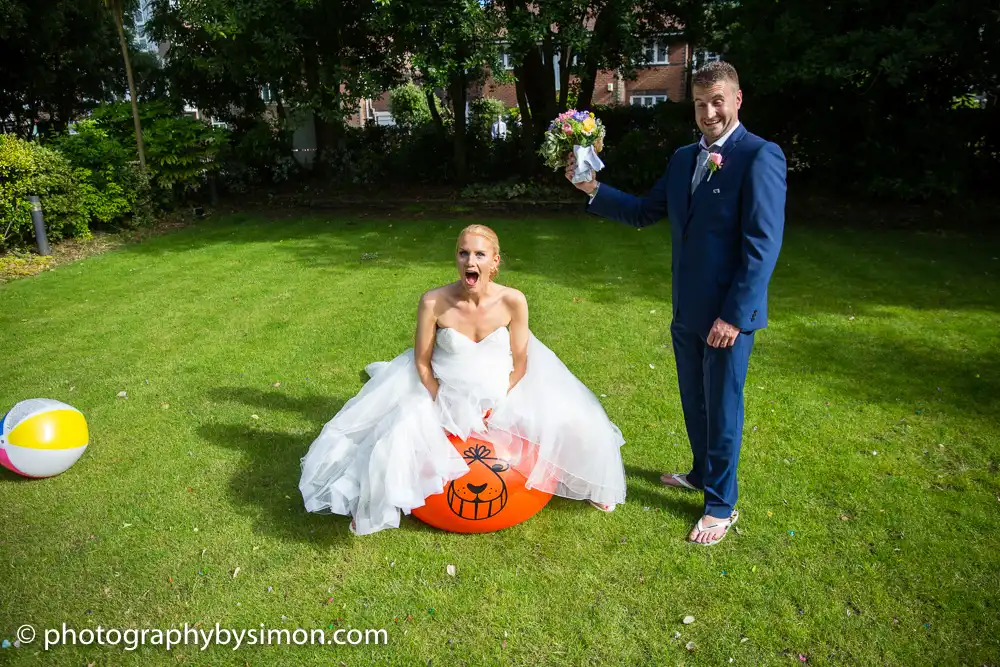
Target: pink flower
x=714 y=164
x=567 y=128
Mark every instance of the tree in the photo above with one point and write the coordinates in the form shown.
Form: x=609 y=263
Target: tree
x=451 y=44
x=608 y=34
x=621 y=31
x=315 y=55
x=864 y=92
x=118 y=9
x=60 y=59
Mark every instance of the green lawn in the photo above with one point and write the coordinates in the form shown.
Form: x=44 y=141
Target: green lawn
x=869 y=479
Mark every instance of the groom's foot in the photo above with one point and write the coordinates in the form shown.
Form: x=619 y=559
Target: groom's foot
x=678 y=481
x=710 y=529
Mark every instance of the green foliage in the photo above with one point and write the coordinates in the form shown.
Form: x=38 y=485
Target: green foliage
x=318 y=56
x=22 y=264
x=258 y=153
x=28 y=168
x=116 y=193
x=408 y=105
x=519 y=190
x=180 y=151
x=873 y=86
x=640 y=141
x=378 y=155
x=484 y=111
x=62 y=190
x=60 y=56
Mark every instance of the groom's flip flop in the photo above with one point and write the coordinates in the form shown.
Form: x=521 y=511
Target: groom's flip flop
x=680 y=479
x=725 y=525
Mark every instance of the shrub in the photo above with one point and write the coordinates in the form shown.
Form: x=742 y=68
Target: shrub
x=21 y=264
x=31 y=169
x=180 y=151
x=259 y=152
x=640 y=141
x=484 y=112
x=116 y=193
x=408 y=106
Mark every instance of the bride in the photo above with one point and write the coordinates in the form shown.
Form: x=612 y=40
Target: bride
x=475 y=368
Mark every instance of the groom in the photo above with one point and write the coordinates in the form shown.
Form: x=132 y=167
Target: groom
x=725 y=198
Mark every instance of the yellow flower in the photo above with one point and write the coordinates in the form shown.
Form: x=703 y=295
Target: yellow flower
x=589 y=125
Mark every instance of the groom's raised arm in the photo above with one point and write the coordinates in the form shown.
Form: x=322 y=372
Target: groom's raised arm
x=763 y=224
x=609 y=202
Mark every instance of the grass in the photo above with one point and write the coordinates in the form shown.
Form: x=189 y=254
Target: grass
x=881 y=341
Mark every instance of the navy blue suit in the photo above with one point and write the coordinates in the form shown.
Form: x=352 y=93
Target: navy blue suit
x=725 y=243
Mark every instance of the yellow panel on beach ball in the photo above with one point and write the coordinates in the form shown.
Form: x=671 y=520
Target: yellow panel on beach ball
x=41 y=437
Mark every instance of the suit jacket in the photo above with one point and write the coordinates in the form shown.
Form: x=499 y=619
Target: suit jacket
x=726 y=236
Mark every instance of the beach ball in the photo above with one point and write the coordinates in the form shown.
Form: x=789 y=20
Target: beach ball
x=41 y=437
x=491 y=496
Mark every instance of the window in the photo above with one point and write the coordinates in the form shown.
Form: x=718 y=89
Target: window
x=646 y=100
x=507 y=61
x=702 y=58
x=573 y=62
x=657 y=53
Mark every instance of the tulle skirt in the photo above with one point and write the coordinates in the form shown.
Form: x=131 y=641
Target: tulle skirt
x=387 y=450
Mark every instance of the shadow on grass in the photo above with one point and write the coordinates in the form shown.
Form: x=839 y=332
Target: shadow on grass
x=11 y=476
x=906 y=375
x=271 y=467
x=564 y=250
x=651 y=492
x=819 y=270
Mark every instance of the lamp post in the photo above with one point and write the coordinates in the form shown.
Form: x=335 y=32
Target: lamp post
x=36 y=217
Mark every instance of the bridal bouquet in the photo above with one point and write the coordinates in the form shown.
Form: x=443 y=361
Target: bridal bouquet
x=579 y=133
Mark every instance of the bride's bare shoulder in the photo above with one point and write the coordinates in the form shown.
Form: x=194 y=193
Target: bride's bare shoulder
x=438 y=296
x=513 y=298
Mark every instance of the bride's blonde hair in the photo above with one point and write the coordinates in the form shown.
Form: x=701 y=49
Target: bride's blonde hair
x=489 y=235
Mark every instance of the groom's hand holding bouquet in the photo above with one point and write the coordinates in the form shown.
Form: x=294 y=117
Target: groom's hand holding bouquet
x=573 y=140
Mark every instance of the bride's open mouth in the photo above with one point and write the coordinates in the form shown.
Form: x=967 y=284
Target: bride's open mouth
x=471 y=277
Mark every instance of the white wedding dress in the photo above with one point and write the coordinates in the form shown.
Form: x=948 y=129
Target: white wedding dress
x=386 y=450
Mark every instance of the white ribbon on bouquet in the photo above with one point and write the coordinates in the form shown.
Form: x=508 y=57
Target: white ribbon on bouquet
x=586 y=161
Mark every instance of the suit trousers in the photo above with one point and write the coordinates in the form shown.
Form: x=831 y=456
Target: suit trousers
x=711 y=386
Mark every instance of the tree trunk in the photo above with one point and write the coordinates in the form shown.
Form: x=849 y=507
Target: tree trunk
x=540 y=91
x=310 y=66
x=61 y=116
x=527 y=127
x=458 y=93
x=131 y=91
x=587 y=83
x=279 y=109
x=564 y=66
x=602 y=40
x=435 y=115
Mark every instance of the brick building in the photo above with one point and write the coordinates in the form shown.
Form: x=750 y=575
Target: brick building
x=663 y=78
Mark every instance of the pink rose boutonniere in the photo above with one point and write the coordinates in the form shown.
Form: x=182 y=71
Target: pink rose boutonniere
x=714 y=164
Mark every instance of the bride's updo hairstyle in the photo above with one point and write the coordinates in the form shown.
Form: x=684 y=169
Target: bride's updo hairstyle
x=489 y=235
